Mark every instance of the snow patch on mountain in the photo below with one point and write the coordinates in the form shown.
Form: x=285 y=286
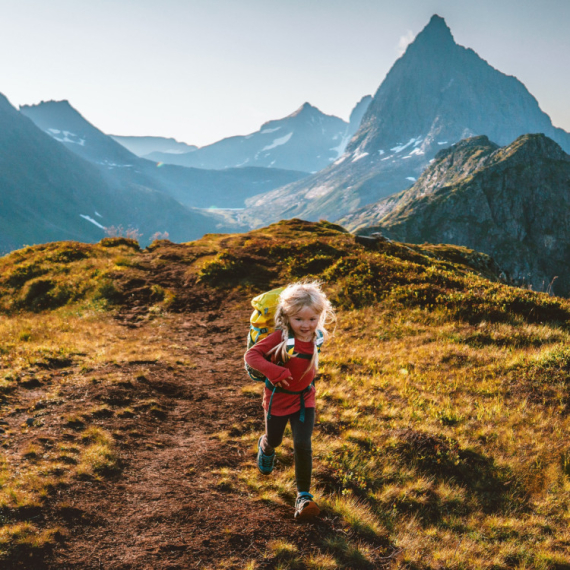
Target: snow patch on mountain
x=278 y=142
x=342 y=145
x=417 y=151
x=401 y=147
x=67 y=136
x=267 y=131
x=358 y=155
x=90 y=219
x=110 y=164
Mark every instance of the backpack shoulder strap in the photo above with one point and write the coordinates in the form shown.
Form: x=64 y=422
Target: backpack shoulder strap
x=291 y=346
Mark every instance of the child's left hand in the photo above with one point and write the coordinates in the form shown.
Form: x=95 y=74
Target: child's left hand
x=283 y=383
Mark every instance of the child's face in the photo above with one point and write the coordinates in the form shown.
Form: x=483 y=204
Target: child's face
x=304 y=323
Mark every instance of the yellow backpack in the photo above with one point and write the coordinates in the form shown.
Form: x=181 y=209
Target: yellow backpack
x=261 y=323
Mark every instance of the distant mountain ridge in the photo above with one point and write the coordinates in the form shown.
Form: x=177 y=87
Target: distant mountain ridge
x=511 y=202
x=195 y=188
x=143 y=146
x=48 y=193
x=307 y=140
x=436 y=94
x=63 y=123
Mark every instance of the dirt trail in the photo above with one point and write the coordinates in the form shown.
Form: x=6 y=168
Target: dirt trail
x=165 y=509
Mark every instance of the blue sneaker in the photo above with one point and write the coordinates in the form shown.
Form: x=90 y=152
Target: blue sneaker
x=305 y=507
x=265 y=462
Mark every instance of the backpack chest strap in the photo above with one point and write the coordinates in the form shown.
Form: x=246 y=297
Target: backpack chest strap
x=279 y=390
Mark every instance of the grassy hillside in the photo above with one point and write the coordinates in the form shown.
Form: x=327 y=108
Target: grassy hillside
x=443 y=408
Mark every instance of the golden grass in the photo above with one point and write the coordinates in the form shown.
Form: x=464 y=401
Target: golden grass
x=26 y=535
x=89 y=339
x=357 y=514
x=321 y=562
x=458 y=393
x=436 y=442
x=443 y=405
x=282 y=548
x=55 y=274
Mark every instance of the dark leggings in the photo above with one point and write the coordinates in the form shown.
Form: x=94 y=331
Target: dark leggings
x=302 y=432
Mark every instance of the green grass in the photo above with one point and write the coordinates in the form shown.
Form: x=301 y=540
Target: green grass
x=57 y=274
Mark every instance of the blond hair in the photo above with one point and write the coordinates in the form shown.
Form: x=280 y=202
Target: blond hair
x=293 y=299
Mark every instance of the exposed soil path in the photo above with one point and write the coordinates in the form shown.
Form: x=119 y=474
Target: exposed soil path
x=165 y=510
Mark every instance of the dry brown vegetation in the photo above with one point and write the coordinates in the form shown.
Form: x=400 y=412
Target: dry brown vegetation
x=443 y=409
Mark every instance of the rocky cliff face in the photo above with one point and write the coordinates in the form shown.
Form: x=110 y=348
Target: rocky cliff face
x=356 y=116
x=512 y=203
x=436 y=94
x=449 y=166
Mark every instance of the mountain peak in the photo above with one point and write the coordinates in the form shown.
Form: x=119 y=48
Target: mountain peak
x=64 y=103
x=437 y=32
x=437 y=21
x=55 y=110
x=304 y=109
x=4 y=103
x=531 y=147
x=63 y=122
x=481 y=141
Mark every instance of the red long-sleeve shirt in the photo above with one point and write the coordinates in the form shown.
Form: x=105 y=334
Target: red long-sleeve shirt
x=283 y=404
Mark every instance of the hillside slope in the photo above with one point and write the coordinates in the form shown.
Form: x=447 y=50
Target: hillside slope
x=512 y=203
x=129 y=426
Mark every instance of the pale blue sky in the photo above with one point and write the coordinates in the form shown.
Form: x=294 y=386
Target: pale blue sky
x=201 y=70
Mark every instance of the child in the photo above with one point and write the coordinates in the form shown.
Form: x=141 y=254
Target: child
x=289 y=395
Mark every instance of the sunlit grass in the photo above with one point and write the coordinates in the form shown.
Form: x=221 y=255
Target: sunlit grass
x=357 y=515
x=431 y=446
x=441 y=439
x=26 y=535
x=321 y=562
